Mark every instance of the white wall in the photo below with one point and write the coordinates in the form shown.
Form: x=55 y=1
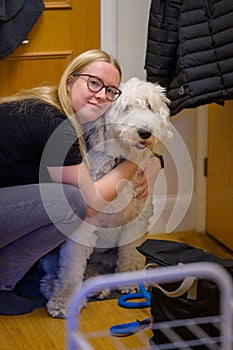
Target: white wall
x=124 y=34
x=131 y=36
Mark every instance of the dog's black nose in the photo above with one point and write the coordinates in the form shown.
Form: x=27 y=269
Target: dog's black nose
x=144 y=133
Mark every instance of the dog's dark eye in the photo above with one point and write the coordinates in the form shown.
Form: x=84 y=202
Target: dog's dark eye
x=149 y=106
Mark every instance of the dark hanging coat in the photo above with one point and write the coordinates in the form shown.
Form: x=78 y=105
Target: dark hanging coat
x=17 y=17
x=190 y=51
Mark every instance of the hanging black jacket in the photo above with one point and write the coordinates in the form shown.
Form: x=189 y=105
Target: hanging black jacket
x=17 y=17
x=190 y=50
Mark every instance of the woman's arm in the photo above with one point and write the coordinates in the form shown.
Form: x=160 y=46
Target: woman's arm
x=97 y=194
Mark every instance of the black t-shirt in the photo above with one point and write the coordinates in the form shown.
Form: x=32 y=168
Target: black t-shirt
x=32 y=137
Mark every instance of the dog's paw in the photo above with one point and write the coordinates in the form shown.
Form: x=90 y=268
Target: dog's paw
x=103 y=294
x=129 y=290
x=57 y=307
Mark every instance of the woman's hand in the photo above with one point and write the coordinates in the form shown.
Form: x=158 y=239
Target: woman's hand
x=145 y=185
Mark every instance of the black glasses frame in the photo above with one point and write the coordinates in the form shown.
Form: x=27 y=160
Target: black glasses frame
x=106 y=87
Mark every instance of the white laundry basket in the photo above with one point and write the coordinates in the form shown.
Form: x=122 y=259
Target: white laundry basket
x=207 y=270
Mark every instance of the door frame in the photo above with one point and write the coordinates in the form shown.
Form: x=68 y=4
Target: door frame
x=108 y=26
x=201 y=179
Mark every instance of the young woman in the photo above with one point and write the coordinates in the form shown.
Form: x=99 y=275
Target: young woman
x=45 y=187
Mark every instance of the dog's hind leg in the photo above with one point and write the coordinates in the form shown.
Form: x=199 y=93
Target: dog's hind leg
x=49 y=263
x=73 y=263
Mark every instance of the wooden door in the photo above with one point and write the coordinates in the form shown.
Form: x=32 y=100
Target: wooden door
x=65 y=29
x=220 y=173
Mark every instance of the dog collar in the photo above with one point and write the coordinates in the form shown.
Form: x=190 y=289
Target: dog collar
x=160 y=157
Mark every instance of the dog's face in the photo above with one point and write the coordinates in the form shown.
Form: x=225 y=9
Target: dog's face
x=139 y=118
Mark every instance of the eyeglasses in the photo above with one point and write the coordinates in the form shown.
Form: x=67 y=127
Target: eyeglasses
x=95 y=84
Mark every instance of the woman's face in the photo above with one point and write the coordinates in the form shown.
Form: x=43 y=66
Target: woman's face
x=90 y=105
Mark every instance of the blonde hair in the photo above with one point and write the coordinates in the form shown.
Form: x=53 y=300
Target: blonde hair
x=59 y=96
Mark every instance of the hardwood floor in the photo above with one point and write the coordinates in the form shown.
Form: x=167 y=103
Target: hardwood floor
x=37 y=331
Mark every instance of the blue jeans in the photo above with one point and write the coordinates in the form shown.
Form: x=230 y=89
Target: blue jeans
x=35 y=219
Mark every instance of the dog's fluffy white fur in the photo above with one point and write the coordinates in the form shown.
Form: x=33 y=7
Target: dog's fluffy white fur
x=130 y=129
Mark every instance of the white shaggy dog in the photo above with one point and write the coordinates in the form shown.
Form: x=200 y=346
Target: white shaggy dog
x=130 y=129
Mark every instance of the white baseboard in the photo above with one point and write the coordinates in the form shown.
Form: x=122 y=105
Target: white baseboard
x=163 y=209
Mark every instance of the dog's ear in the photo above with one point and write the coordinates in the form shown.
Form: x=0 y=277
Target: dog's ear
x=94 y=133
x=160 y=105
x=165 y=125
